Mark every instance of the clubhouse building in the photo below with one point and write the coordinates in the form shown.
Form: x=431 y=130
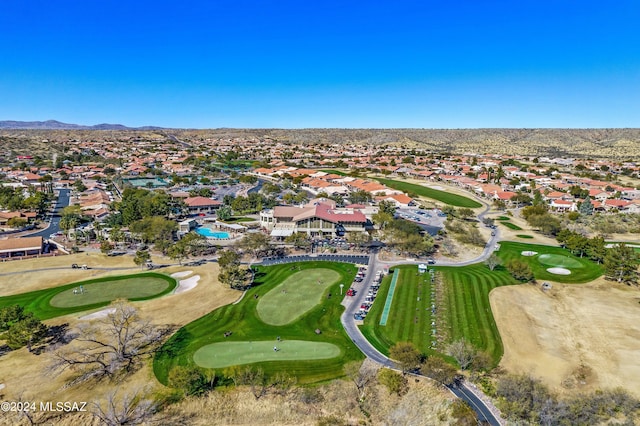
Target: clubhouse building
x=319 y=218
x=21 y=247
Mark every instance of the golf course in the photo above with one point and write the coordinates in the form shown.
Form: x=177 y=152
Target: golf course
x=582 y=269
x=91 y=294
x=288 y=321
x=462 y=300
x=435 y=194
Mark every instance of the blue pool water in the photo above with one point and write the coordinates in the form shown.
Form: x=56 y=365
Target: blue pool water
x=206 y=232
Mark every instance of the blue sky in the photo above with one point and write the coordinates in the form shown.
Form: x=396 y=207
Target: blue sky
x=308 y=63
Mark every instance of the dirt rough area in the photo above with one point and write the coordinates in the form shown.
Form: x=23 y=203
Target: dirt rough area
x=26 y=374
x=572 y=337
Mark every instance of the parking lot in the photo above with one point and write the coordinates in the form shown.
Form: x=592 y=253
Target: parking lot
x=431 y=220
x=356 y=259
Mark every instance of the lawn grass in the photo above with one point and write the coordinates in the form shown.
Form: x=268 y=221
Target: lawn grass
x=587 y=272
x=511 y=226
x=100 y=292
x=410 y=315
x=503 y=218
x=106 y=291
x=335 y=172
x=467 y=312
x=442 y=196
x=245 y=325
x=295 y=296
x=525 y=236
x=464 y=310
x=226 y=354
x=558 y=260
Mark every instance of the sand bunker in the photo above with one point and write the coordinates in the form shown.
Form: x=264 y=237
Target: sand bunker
x=529 y=253
x=100 y=314
x=188 y=284
x=559 y=271
x=181 y=274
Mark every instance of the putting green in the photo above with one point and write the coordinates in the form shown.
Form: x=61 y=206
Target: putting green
x=295 y=296
x=110 y=289
x=559 y=260
x=225 y=354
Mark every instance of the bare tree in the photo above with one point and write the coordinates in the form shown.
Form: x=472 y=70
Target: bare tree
x=492 y=261
x=463 y=352
x=362 y=374
x=132 y=409
x=111 y=345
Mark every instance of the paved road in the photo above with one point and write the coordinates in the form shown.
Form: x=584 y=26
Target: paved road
x=54 y=222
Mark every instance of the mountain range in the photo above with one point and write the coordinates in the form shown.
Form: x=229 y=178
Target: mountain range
x=57 y=125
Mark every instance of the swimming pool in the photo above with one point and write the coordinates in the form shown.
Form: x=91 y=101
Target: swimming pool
x=206 y=232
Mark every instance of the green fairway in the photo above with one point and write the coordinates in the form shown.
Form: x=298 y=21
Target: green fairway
x=57 y=301
x=442 y=196
x=410 y=313
x=559 y=260
x=462 y=311
x=225 y=354
x=295 y=296
x=462 y=301
x=106 y=291
x=511 y=225
x=583 y=270
x=241 y=323
x=466 y=311
x=524 y=236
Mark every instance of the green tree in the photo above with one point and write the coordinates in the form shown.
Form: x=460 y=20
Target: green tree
x=141 y=258
x=358 y=238
x=106 y=247
x=299 y=240
x=249 y=179
x=155 y=229
x=360 y=197
x=388 y=207
x=225 y=212
x=621 y=264
x=190 y=244
x=586 y=207
x=520 y=270
x=28 y=331
x=596 y=249
x=255 y=242
x=406 y=355
x=465 y=213
x=439 y=370
x=228 y=259
x=395 y=382
x=382 y=219
x=79 y=186
x=234 y=276
x=17 y=222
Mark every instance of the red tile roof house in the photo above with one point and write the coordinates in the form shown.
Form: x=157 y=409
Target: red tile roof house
x=615 y=204
x=400 y=200
x=201 y=205
x=319 y=218
x=562 y=205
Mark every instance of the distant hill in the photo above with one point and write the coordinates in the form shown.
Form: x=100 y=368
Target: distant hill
x=58 y=125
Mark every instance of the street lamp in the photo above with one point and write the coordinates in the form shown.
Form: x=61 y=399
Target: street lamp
x=341 y=287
